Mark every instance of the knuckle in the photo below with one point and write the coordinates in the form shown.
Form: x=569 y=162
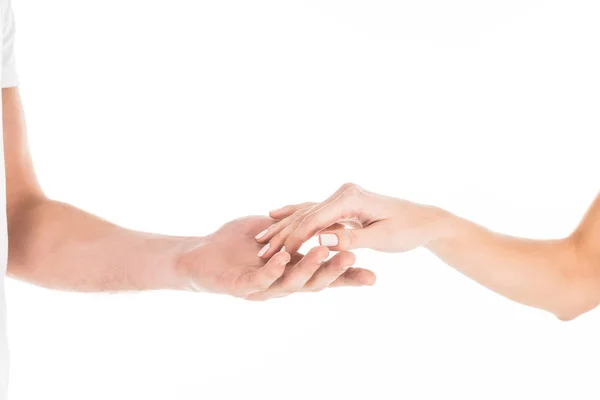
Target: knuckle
x=348 y=185
x=308 y=218
x=320 y=252
x=298 y=213
x=305 y=223
x=349 y=237
x=347 y=258
x=284 y=222
x=277 y=239
x=293 y=221
x=286 y=289
x=297 y=222
x=260 y=285
x=353 y=199
x=353 y=191
x=276 y=227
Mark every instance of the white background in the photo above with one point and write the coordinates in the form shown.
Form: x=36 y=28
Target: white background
x=177 y=116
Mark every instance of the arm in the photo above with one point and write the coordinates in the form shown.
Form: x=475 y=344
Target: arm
x=56 y=245
x=561 y=276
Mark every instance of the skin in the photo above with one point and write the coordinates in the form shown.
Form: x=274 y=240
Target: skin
x=56 y=245
x=561 y=276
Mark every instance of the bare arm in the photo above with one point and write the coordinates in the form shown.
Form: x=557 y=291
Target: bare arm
x=561 y=276
x=56 y=245
x=59 y=246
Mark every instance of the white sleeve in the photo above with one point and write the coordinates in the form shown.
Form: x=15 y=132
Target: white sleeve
x=9 y=69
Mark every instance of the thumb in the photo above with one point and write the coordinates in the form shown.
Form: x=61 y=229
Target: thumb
x=348 y=239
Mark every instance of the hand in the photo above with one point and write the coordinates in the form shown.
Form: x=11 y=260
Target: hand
x=383 y=223
x=227 y=262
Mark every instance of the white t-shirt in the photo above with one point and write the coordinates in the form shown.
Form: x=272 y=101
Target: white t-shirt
x=9 y=79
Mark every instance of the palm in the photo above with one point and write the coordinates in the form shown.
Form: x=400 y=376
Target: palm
x=231 y=251
x=236 y=269
x=236 y=245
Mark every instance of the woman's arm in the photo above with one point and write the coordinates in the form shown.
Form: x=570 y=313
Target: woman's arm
x=561 y=276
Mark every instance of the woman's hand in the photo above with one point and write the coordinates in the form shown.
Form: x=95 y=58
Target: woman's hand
x=380 y=223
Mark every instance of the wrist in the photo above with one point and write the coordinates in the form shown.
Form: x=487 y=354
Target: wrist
x=155 y=264
x=439 y=224
x=444 y=227
x=192 y=254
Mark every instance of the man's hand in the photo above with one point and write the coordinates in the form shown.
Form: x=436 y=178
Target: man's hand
x=56 y=245
x=227 y=262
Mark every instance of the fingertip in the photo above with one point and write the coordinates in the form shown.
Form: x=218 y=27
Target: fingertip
x=364 y=277
x=369 y=279
x=284 y=257
x=277 y=213
x=329 y=239
x=261 y=236
x=273 y=214
x=263 y=252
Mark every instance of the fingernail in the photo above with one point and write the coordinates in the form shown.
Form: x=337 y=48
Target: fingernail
x=263 y=233
x=282 y=250
x=328 y=239
x=264 y=250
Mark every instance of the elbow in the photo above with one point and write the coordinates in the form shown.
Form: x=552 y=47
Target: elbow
x=576 y=297
x=579 y=291
x=24 y=217
x=569 y=312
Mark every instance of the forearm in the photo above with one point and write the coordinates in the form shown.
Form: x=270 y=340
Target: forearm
x=560 y=276
x=55 y=245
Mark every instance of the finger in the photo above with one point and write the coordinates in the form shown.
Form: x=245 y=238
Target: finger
x=277 y=241
x=271 y=294
x=355 y=277
x=289 y=210
x=277 y=227
x=330 y=271
x=262 y=278
x=338 y=208
x=296 y=277
x=348 y=239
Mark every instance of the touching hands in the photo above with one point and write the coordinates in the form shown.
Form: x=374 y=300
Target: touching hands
x=257 y=258
x=380 y=223
x=227 y=262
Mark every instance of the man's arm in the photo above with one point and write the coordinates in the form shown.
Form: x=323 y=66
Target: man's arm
x=561 y=276
x=56 y=245
x=59 y=246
